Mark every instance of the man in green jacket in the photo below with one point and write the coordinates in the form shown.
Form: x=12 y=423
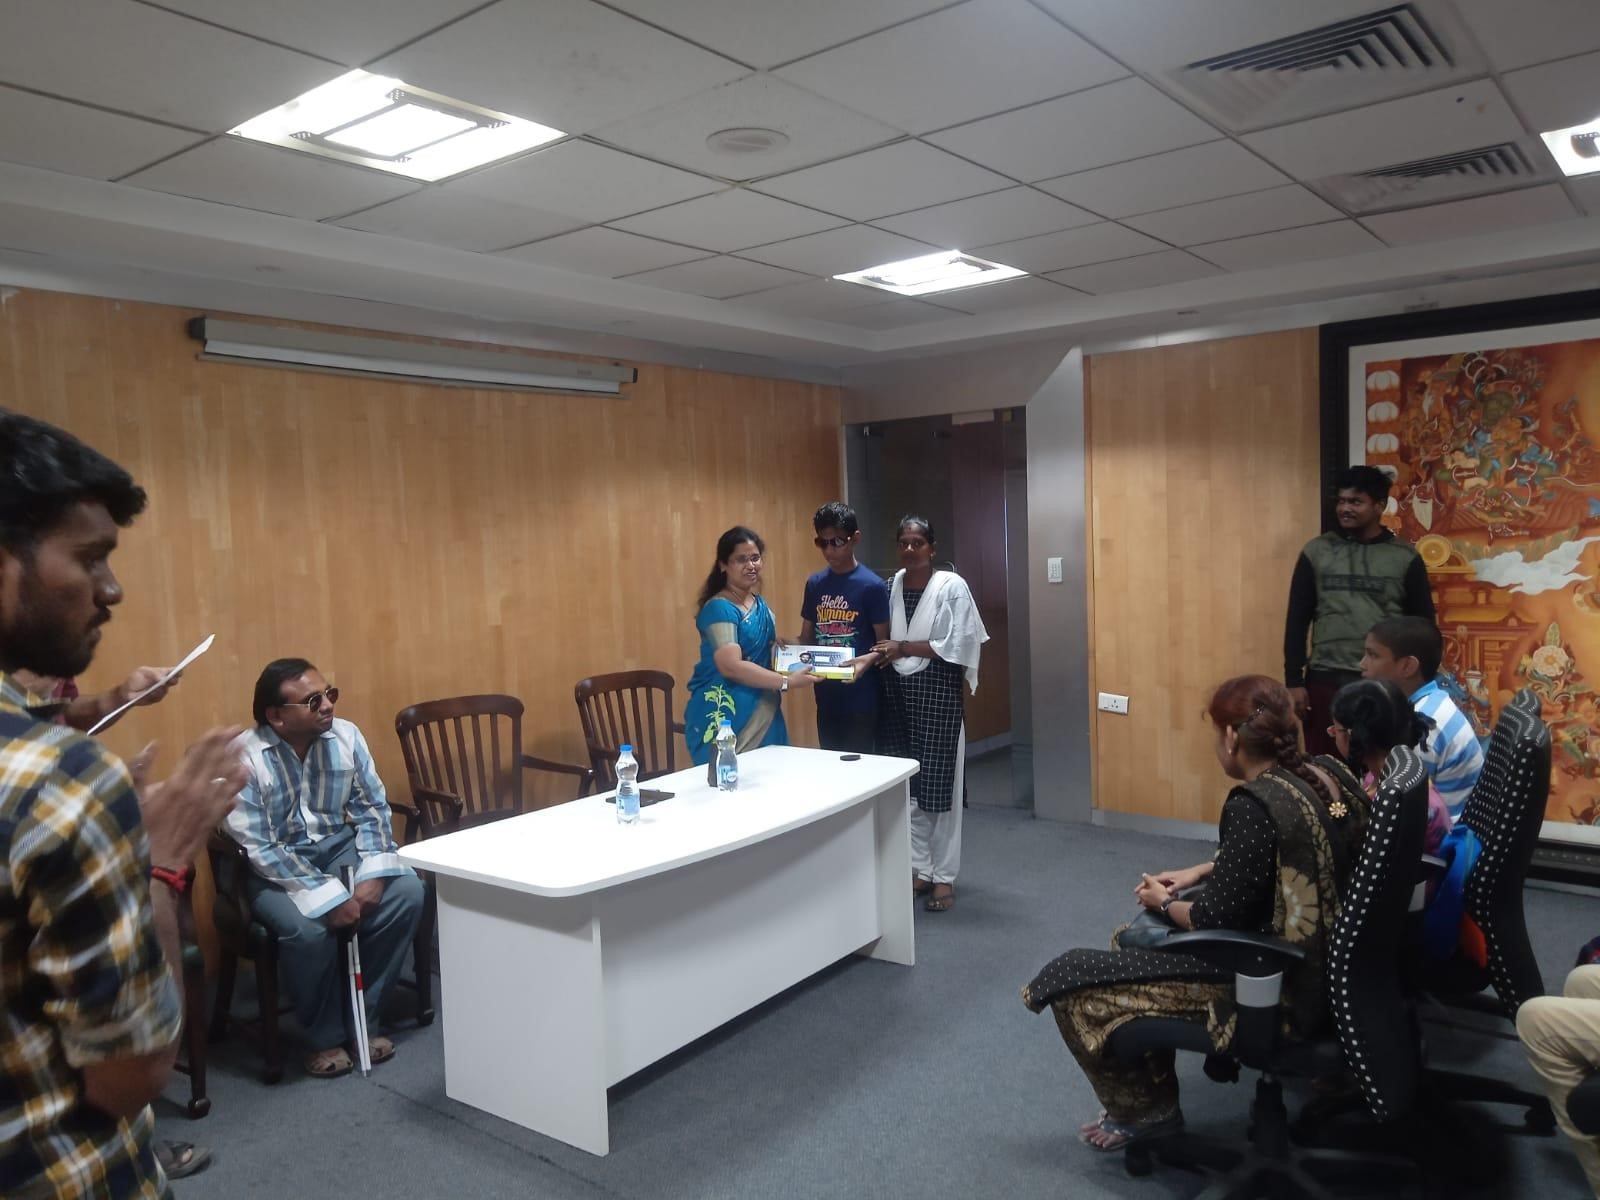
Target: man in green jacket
x=1346 y=581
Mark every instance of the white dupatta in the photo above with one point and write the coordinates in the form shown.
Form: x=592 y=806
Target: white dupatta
x=946 y=618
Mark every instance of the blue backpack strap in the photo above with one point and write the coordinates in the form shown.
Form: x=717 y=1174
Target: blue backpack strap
x=1441 y=924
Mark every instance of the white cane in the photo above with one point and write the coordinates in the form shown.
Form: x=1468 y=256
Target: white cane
x=358 y=991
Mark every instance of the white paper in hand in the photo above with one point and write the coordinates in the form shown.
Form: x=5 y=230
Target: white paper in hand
x=160 y=683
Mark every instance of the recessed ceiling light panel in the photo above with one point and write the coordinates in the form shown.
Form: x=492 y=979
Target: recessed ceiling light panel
x=1576 y=150
x=943 y=272
x=383 y=123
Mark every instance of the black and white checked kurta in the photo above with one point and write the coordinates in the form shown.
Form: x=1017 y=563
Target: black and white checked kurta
x=921 y=719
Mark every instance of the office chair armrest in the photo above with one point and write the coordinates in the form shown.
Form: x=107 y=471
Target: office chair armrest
x=1583 y=1106
x=1242 y=953
x=585 y=775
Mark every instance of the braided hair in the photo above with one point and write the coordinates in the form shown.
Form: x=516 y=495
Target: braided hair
x=1259 y=710
x=1378 y=715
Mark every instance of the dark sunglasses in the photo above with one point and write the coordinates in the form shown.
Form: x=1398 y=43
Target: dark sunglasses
x=314 y=701
x=822 y=543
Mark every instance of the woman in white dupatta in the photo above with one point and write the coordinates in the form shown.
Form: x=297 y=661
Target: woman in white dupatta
x=935 y=635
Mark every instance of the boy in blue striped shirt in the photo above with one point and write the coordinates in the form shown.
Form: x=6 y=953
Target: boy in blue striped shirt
x=1408 y=650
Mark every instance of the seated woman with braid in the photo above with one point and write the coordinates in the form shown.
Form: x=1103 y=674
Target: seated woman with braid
x=1290 y=832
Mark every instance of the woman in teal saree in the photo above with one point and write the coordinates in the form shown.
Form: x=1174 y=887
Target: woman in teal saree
x=733 y=680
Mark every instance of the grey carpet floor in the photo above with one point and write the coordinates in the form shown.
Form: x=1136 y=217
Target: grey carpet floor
x=869 y=1080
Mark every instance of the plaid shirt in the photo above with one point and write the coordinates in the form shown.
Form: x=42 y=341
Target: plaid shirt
x=82 y=978
x=288 y=806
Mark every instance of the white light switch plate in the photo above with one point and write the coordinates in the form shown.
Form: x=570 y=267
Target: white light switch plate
x=1111 y=702
x=1052 y=570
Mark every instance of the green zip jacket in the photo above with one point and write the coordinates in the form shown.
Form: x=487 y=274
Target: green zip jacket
x=1341 y=589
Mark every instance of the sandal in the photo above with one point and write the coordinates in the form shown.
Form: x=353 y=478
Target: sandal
x=920 y=886
x=182 y=1159
x=329 y=1064
x=941 y=901
x=1119 y=1136
x=380 y=1049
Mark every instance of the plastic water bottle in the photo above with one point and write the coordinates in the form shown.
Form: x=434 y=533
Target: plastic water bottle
x=627 y=787
x=727 y=759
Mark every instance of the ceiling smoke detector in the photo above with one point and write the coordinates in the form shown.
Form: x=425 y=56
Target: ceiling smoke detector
x=747 y=141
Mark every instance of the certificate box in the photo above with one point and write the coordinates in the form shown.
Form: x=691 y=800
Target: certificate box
x=826 y=662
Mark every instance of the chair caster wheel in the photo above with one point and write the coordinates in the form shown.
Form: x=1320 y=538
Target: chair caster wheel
x=425 y=1017
x=1137 y=1161
x=198 y=1108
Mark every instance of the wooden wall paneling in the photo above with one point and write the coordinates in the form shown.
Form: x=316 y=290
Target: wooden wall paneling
x=415 y=541
x=1203 y=489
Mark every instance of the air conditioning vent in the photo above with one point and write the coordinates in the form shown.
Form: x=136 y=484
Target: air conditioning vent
x=1394 y=51
x=1438 y=179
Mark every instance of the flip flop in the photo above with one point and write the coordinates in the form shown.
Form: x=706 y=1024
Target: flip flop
x=380 y=1049
x=1123 y=1135
x=329 y=1064
x=938 y=902
x=182 y=1159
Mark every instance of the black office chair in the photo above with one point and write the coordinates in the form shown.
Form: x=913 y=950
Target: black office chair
x=1505 y=810
x=1365 y=998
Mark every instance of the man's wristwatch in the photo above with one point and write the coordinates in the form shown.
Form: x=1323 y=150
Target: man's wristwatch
x=784 y=686
x=178 y=881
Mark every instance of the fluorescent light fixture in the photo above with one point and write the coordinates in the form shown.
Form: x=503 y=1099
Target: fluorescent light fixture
x=1576 y=150
x=942 y=272
x=378 y=122
x=386 y=358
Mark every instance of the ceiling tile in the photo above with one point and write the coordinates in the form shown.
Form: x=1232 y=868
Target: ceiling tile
x=444 y=216
x=1333 y=240
x=59 y=136
x=585 y=181
x=765 y=35
x=1122 y=120
x=956 y=65
x=1531 y=31
x=569 y=64
x=1558 y=95
x=246 y=175
x=351 y=31
x=1236 y=216
x=853 y=248
x=1481 y=214
x=730 y=220
x=1071 y=248
x=1187 y=176
x=1397 y=131
x=150 y=62
x=996 y=217
x=817 y=129
x=1587 y=189
x=892 y=179
x=816 y=298
x=896 y=314
x=1012 y=293
x=608 y=252
x=1129 y=274
x=718 y=278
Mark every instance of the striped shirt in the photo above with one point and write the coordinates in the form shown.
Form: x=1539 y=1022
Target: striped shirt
x=82 y=977
x=288 y=806
x=1452 y=753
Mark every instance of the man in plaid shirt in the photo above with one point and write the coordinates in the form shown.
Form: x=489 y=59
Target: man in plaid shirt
x=89 y=1005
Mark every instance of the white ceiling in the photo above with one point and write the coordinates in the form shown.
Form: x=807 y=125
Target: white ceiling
x=1069 y=138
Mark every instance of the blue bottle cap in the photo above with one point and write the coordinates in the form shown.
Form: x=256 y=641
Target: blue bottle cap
x=626 y=749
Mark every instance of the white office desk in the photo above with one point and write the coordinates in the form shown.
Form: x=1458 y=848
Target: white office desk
x=575 y=951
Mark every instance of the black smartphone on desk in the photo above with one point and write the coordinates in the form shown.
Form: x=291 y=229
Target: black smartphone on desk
x=647 y=797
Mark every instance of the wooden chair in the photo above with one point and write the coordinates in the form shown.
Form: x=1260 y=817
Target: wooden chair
x=633 y=708
x=464 y=766
x=240 y=935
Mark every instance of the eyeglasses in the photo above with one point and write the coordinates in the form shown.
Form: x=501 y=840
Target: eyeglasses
x=314 y=701
x=823 y=543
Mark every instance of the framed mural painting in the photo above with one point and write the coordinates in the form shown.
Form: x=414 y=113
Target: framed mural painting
x=1492 y=440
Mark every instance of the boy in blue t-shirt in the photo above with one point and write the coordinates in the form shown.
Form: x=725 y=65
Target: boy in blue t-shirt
x=845 y=604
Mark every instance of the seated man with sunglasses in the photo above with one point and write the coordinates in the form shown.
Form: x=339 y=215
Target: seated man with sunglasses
x=313 y=804
x=845 y=604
